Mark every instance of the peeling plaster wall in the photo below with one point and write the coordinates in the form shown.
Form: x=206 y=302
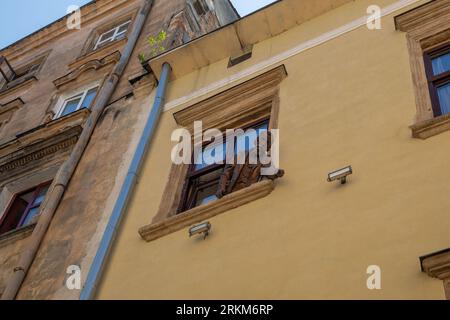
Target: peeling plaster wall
x=79 y=222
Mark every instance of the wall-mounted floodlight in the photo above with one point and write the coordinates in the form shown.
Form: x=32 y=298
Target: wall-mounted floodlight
x=340 y=175
x=202 y=228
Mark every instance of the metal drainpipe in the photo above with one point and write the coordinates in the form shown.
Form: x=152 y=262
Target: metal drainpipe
x=66 y=171
x=95 y=272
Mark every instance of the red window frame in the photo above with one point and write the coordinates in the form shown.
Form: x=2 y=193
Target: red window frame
x=30 y=206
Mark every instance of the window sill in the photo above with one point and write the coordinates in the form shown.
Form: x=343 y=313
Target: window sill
x=17 y=234
x=429 y=128
x=254 y=192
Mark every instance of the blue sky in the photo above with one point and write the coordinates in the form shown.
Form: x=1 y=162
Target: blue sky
x=18 y=18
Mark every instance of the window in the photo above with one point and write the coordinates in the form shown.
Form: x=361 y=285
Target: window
x=196 y=192
x=11 y=77
x=427 y=30
x=203 y=181
x=79 y=101
x=23 y=208
x=117 y=33
x=438 y=73
x=199 y=7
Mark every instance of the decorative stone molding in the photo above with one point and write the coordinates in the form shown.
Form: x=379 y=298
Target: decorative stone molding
x=254 y=100
x=437 y=265
x=18 y=83
x=244 y=103
x=91 y=65
x=7 y=110
x=431 y=127
x=49 y=141
x=422 y=19
x=427 y=26
x=28 y=72
x=16 y=234
x=88 y=47
x=39 y=152
x=98 y=54
x=239 y=198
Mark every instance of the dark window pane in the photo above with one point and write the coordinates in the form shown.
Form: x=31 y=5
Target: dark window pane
x=15 y=213
x=123 y=28
x=444 y=98
x=203 y=188
x=107 y=35
x=441 y=64
x=206 y=195
x=28 y=197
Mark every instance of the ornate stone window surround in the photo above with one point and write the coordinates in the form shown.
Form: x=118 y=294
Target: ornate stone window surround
x=427 y=27
x=27 y=72
x=57 y=107
x=90 y=44
x=10 y=189
x=253 y=100
x=8 y=109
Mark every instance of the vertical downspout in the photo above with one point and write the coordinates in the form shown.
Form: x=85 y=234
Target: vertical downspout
x=126 y=191
x=66 y=171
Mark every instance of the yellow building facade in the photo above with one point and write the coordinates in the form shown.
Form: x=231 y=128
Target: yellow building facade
x=341 y=92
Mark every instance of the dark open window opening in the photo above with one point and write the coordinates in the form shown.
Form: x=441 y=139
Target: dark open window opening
x=23 y=208
x=6 y=70
x=10 y=77
x=199 y=7
x=203 y=180
x=437 y=64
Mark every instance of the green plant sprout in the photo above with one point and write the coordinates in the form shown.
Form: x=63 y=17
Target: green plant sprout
x=156 y=45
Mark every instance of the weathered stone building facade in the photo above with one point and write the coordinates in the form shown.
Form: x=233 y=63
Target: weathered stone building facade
x=72 y=106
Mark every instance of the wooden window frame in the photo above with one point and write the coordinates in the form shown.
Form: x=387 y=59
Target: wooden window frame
x=435 y=81
x=31 y=205
x=254 y=100
x=187 y=202
x=199 y=5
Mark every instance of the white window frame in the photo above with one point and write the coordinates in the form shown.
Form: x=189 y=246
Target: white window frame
x=114 y=36
x=75 y=95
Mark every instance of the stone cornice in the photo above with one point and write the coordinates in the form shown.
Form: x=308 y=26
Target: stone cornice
x=424 y=17
x=89 y=65
x=198 y=214
x=221 y=110
x=42 y=135
x=98 y=54
x=89 y=13
x=14 y=104
x=22 y=160
x=437 y=265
